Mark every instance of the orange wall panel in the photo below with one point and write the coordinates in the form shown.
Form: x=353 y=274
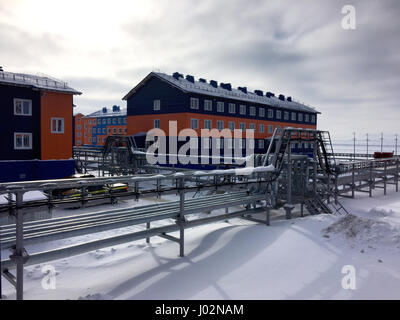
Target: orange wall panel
x=56 y=145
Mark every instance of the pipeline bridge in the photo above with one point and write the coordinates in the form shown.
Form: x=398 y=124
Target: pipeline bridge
x=279 y=180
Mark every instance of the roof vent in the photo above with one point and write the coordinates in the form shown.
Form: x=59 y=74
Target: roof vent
x=190 y=78
x=243 y=89
x=1 y=69
x=289 y=99
x=203 y=80
x=177 y=75
x=104 y=110
x=258 y=92
x=226 y=86
x=115 y=108
x=282 y=97
x=270 y=94
x=214 y=83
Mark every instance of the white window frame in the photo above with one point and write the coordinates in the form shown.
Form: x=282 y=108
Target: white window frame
x=231 y=125
x=22 y=107
x=29 y=134
x=252 y=126
x=253 y=111
x=220 y=106
x=208 y=124
x=155 y=122
x=300 y=117
x=232 y=108
x=261 y=144
x=313 y=118
x=156 y=104
x=270 y=128
x=307 y=117
x=261 y=128
x=286 y=115
x=242 y=109
x=55 y=130
x=242 y=126
x=194 y=103
x=294 y=116
x=261 y=112
x=278 y=114
x=208 y=105
x=220 y=124
x=270 y=113
x=194 y=123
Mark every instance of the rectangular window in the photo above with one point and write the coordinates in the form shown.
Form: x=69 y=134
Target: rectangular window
x=114 y=121
x=119 y=130
x=242 y=126
x=231 y=125
x=208 y=105
x=194 y=123
x=252 y=111
x=114 y=131
x=194 y=103
x=270 y=113
x=79 y=134
x=90 y=121
x=157 y=123
x=220 y=106
x=157 y=104
x=22 y=141
x=119 y=120
x=262 y=112
x=104 y=130
x=94 y=122
x=207 y=124
x=242 y=109
x=261 y=128
x=79 y=142
x=252 y=126
x=79 y=127
x=286 y=115
x=313 y=118
x=90 y=140
x=278 y=114
x=94 y=130
x=232 y=108
x=57 y=125
x=22 y=107
x=109 y=121
x=261 y=144
x=104 y=121
x=220 y=124
x=300 y=117
x=294 y=118
x=270 y=128
x=307 y=118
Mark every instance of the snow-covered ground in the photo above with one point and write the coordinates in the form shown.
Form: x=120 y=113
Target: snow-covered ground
x=300 y=258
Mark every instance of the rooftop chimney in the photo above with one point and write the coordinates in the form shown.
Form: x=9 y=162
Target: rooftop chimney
x=282 y=97
x=115 y=108
x=226 y=86
x=289 y=99
x=214 y=83
x=104 y=110
x=270 y=94
x=177 y=75
x=203 y=80
x=243 y=89
x=190 y=78
x=1 y=69
x=258 y=92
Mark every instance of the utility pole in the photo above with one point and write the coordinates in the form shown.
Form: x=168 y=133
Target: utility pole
x=354 y=145
x=395 y=144
x=382 y=142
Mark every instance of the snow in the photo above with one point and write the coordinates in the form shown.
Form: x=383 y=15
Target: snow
x=300 y=258
x=28 y=196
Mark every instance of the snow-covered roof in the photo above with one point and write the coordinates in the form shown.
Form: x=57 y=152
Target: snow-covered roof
x=207 y=89
x=109 y=113
x=36 y=81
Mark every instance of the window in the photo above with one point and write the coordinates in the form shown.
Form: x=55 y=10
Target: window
x=79 y=134
x=207 y=124
x=260 y=144
x=114 y=121
x=79 y=142
x=232 y=108
x=220 y=124
x=194 y=103
x=231 y=125
x=90 y=121
x=242 y=109
x=252 y=111
x=90 y=140
x=156 y=104
x=90 y=130
x=157 y=123
x=270 y=128
x=94 y=130
x=22 y=107
x=109 y=121
x=125 y=130
x=300 y=117
x=104 y=121
x=94 y=122
x=242 y=126
x=261 y=128
x=220 y=106
x=294 y=118
x=286 y=115
x=262 y=112
x=194 y=123
x=104 y=130
x=114 y=131
x=22 y=141
x=57 y=125
x=119 y=130
x=208 y=105
x=252 y=126
x=79 y=127
x=270 y=113
x=108 y=130
x=278 y=114
x=307 y=117
x=119 y=120
x=313 y=118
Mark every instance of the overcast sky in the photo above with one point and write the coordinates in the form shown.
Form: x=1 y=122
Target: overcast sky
x=297 y=48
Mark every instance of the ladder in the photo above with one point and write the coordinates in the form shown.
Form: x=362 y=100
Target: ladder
x=316 y=205
x=326 y=141
x=338 y=208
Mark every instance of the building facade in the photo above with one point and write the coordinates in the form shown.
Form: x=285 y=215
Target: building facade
x=93 y=129
x=199 y=104
x=35 y=127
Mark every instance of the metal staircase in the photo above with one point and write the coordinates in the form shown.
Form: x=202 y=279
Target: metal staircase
x=316 y=205
x=325 y=150
x=338 y=208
